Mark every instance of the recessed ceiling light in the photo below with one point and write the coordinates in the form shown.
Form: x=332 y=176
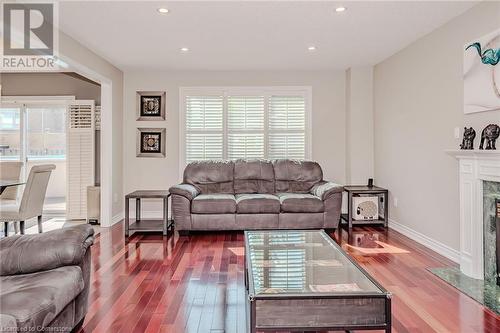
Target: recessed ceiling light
x=184 y=49
x=163 y=10
x=340 y=9
x=311 y=48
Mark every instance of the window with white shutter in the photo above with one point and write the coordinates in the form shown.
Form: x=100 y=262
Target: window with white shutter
x=232 y=123
x=204 y=128
x=245 y=117
x=287 y=126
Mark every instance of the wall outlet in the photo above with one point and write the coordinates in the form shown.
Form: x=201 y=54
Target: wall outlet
x=395 y=202
x=457 y=132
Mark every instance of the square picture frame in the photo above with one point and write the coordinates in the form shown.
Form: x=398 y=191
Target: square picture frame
x=151 y=105
x=151 y=142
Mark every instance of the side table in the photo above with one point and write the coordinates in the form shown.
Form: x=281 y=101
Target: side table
x=353 y=190
x=147 y=225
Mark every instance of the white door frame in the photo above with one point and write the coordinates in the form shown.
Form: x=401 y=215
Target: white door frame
x=106 y=136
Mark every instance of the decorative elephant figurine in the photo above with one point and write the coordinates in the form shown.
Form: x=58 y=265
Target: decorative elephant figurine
x=468 y=140
x=490 y=134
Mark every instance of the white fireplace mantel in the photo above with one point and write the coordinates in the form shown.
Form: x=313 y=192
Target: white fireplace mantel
x=475 y=166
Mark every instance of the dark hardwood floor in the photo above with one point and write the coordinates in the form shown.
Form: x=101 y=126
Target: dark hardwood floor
x=195 y=284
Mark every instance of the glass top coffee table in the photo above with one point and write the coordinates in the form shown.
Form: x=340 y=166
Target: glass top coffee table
x=303 y=280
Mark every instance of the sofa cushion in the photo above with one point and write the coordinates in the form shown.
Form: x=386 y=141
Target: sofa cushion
x=257 y=203
x=35 y=299
x=300 y=203
x=210 y=176
x=253 y=176
x=296 y=176
x=214 y=204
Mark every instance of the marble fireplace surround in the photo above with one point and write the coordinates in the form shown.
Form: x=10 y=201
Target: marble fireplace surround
x=475 y=167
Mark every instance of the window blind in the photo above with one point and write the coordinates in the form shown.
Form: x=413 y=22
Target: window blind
x=245 y=116
x=287 y=123
x=204 y=128
x=251 y=125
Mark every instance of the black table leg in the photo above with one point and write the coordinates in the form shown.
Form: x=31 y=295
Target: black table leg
x=137 y=210
x=349 y=212
x=127 y=217
x=165 y=216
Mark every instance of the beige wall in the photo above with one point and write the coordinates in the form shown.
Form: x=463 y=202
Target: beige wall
x=49 y=84
x=359 y=125
x=328 y=119
x=418 y=99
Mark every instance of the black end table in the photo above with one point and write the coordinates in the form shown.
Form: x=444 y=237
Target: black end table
x=353 y=190
x=147 y=225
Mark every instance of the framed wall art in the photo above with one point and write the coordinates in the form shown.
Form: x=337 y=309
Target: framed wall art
x=151 y=105
x=482 y=74
x=151 y=142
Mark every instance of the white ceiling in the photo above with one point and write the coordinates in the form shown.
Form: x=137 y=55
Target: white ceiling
x=251 y=35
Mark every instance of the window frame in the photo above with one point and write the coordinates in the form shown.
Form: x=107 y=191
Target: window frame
x=266 y=91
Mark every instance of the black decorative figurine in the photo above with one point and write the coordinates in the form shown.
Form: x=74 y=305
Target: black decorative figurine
x=490 y=134
x=468 y=140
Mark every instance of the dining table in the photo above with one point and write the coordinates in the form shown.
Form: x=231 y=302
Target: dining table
x=4 y=184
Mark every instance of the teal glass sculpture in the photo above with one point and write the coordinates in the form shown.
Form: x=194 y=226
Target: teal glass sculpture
x=488 y=56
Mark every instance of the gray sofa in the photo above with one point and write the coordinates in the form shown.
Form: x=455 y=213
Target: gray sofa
x=255 y=194
x=44 y=280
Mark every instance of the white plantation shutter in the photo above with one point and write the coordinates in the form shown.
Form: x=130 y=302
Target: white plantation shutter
x=204 y=128
x=229 y=124
x=287 y=145
x=79 y=157
x=203 y=146
x=245 y=113
x=242 y=145
x=245 y=116
x=97 y=117
x=287 y=125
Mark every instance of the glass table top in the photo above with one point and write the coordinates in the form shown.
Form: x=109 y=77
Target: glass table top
x=299 y=262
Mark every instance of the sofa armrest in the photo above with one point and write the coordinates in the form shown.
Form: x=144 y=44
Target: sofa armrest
x=33 y=253
x=188 y=191
x=325 y=189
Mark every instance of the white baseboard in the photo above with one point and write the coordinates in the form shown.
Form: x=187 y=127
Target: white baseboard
x=431 y=243
x=117 y=218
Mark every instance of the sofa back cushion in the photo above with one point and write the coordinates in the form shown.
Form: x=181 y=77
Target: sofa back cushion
x=253 y=176
x=210 y=176
x=296 y=176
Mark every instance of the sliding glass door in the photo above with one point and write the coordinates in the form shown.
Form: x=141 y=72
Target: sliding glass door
x=10 y=133
x=34 y=132
x=45 y=132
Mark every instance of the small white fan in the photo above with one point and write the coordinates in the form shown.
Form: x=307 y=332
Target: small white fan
x=365 y=208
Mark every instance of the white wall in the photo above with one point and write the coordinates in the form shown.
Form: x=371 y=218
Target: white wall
x=328 y=119
x=359 y=125
x=418 y=101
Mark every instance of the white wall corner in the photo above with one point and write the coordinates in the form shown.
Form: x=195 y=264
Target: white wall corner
x=436 y=246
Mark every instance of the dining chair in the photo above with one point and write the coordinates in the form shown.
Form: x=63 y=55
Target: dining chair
x=10 y=171
x=31 y=204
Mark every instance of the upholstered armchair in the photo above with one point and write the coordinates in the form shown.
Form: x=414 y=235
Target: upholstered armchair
x=45 y=280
